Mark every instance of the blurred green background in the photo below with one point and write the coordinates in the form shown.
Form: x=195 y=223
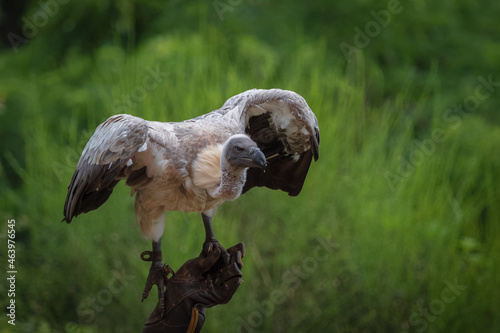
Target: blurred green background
x=396 y=228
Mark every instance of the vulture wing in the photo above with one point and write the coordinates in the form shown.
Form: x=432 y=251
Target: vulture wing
x=102 y=163
x=285 y=129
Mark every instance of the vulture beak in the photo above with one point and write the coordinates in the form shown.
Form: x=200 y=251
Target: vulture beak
x=257 y=158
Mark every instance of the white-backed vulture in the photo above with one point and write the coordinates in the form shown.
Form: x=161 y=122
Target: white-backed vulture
x=257 y=138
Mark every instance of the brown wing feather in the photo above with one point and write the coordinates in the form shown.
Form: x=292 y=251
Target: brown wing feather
x=281 y=174
x=103 y=160
x=286 y=130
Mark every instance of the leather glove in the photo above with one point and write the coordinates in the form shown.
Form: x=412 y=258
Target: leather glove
x=200 y=283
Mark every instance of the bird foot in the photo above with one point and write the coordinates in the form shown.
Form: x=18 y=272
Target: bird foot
x=158 y=274
x=212 y=245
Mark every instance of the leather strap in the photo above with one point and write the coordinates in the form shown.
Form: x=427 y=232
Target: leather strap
x=194 y=320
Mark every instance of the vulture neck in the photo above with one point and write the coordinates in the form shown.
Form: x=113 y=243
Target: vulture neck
x=232 y=181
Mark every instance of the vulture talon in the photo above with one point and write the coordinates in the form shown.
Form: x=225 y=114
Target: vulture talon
x=210 y=246
x=158 y=274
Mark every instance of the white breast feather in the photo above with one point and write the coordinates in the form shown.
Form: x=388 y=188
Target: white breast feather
x=206 y=168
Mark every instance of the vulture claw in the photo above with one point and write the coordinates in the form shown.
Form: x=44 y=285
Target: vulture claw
x=158 y=274
x=210 y=246
x=155 y=276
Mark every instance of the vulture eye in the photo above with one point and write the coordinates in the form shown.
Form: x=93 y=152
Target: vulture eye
x=238 y=148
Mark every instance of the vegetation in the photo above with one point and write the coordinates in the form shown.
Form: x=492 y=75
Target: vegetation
x=396 y=228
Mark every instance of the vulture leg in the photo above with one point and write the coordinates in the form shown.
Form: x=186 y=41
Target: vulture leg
x=210 y=240
x=158 y=273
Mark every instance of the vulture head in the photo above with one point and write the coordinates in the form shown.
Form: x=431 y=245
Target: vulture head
x=240 y=151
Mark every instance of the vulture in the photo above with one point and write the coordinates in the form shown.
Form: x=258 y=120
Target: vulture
x=257 y=138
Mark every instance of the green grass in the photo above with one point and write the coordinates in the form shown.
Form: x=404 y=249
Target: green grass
x=393 y=243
